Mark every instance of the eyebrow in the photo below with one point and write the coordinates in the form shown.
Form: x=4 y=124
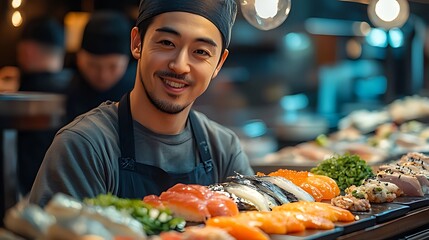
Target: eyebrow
x=172 y=31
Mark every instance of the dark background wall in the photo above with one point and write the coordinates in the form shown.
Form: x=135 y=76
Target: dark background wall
x=301 y=10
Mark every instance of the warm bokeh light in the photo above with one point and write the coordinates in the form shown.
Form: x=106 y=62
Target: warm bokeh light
x=353 y=48
x=16 y=3
x=16 y=19
x=364 y=28
x=74 y=23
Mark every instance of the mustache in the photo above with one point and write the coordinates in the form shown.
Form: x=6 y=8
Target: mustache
x=169 y=74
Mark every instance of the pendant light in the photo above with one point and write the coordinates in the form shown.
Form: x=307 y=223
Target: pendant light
x=265 y=14
x=388 y=14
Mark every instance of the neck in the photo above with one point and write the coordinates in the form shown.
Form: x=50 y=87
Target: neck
x=149 y=116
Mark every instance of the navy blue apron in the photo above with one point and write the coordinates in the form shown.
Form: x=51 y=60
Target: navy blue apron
x=137 y=180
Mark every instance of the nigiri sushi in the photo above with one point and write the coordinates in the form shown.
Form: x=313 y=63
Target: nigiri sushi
x=249 y=193
x=186 y=206
x=242 y=204
x=325 y=210
x=238 y=229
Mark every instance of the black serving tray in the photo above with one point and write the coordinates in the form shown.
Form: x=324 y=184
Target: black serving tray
x=363 y=221
x=384 y=212
x=311 y=234
x=413 y=202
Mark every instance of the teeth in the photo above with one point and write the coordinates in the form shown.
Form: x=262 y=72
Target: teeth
x=174 y=84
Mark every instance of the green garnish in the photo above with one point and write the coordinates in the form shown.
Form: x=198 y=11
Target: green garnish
x=322 y=140
x=154 y=220
x=346 y=170
x=357 y=194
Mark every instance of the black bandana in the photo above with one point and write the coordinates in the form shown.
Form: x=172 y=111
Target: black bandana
x=107 y=32
x=221 y=13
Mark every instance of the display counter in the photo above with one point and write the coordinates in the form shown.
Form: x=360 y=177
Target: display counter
x=407 y=225
x=403 y=217
x=22 y=111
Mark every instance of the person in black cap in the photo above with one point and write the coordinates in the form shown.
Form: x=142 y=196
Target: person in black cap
x=41 y=46
x=104 y=70
x=40 y=57
x=152 y=139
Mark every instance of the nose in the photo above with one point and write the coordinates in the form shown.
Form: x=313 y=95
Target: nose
x=180 y=63
x=103 y=74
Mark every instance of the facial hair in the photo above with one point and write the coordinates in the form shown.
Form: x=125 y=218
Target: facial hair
x=161 y=105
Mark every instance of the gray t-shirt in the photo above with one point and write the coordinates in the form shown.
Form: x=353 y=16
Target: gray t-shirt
x=82 y=160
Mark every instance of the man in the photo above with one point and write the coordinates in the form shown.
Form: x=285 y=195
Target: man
x=152 y=139
x=104 y=72
x=40 y=57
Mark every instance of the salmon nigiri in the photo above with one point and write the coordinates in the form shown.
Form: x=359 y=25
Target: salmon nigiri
x=198 y=191
x=274 y=222
x=309 y=221
x=325 y=210
x=221 y=205
x=186 y=206
x=154 y=201
x=325 y=184
x=320 y=187
x=239 y=229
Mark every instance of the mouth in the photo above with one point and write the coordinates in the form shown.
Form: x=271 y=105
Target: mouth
x=173 y=84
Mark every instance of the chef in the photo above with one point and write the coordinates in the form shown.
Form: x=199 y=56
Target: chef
x=153 y=139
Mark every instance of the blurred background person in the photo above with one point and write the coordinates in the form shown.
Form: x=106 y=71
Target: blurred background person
x=104 y=70
x=9 y=79
x=40 y=59
x=40 y=56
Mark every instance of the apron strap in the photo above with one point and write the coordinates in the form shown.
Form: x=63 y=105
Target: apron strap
x=203 y=148
x=126 y=134
x=126 y=137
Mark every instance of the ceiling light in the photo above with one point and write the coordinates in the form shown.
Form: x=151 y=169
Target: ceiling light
x=265 y=14
x=388 y=14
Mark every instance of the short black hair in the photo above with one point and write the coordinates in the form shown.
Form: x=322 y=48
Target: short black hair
x=44 y=30
x=107 y=32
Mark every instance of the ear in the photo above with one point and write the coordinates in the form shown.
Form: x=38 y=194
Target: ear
x=135 y=43
x=222 y=60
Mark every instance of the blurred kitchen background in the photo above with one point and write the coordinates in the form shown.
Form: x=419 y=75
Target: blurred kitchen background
x=286 y=85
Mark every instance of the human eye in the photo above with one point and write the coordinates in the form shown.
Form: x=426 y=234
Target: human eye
x=166 y=43
x=203 y=52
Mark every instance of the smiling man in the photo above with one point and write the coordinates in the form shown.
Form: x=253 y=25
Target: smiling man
x=152 y=139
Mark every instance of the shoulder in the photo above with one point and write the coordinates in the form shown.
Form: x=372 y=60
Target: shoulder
x=98 y=122
x=214 y=129
x=221 y=139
